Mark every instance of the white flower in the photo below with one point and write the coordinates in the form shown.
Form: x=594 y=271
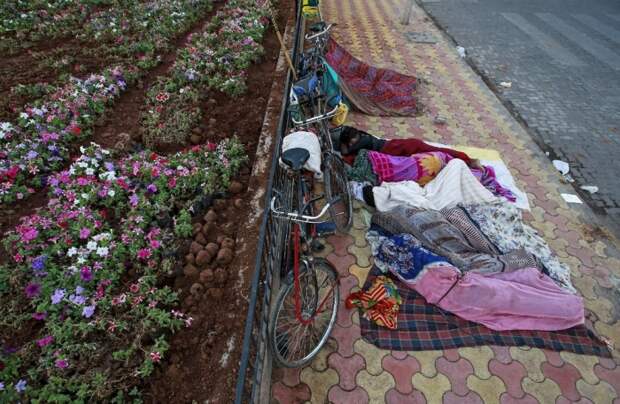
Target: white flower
x=102 y=251
x=23 y=115
x=71 y=251
x=90 y=171
x=84 y=196
x=92 y=245
x=111 y=193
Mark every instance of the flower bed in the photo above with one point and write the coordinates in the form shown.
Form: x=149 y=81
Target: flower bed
x=215 y=59
x=83 y=299
x=37 y=143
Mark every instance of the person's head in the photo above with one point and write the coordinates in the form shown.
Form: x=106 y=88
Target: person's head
x=348 y=137
x=369 y=196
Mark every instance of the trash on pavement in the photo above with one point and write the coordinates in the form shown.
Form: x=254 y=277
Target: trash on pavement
x=461 y=51
x=440 y=120
x=506 y=84
x=590 y=188
x=571 y=198
x=561 y=166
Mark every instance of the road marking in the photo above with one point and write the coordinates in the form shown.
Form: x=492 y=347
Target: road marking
x=588 y=44
x=544 y=41
x=603 y=29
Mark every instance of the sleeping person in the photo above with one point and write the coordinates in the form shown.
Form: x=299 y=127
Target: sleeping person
x=353 y=140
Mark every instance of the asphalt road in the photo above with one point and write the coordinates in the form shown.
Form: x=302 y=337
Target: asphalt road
x=562 y=58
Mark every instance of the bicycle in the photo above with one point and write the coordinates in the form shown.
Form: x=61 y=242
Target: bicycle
x=310 y=96
x=307 y=304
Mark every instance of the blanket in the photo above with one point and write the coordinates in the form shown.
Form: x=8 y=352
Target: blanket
x=468 y=251
x=372 y=90
x=422 y=326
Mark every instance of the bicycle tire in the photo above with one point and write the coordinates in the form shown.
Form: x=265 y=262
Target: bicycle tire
x=338 y=193
x=279 y=343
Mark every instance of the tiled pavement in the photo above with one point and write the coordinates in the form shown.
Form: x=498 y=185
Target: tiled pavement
x=349 y=370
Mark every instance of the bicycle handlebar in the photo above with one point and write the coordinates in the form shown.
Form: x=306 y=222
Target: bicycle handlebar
x=297 y=216
x=311 y=37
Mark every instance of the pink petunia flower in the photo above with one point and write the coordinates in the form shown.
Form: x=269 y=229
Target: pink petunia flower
x=144 y=253
x=45 y=341
x=155 y=356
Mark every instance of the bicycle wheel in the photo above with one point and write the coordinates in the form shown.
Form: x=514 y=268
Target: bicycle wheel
x=293 y=343
x=337 y=191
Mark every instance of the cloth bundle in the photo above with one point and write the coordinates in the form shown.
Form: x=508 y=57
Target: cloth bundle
x=518 y=299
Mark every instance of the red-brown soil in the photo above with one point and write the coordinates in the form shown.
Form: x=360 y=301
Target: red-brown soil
x=198 y=367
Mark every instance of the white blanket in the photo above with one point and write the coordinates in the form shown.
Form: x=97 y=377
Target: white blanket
x=453 y=185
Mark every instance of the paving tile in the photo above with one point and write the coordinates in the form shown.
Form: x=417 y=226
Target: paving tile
x=508 y=399
x=400 y=355
x=341 y=263
x=362 y=255
x=395 y=397
x=375 y=385
x=361 y=273
x=565 y=377
x=502 y=354
x=433 y=388
x=479 y=357
x=337 y=395
x=319 y=383
x=457 y=373
x=554 y=358
x=347 y=369
x=609 y=376
x=545 y=392
x=564 y=400
x=470 y=398
x=340 y=243
x=488 y=389
x=512 y=374
x=584 y=363
x=372 y=355
x=451 y=354
x=600 y=393
x=345 y=338
x=427 y=360
x=531 y=360
x=284 y=394
x=402 y=371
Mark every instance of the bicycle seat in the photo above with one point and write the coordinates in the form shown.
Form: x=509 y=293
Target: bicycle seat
x=295 y=158
x=318 y=26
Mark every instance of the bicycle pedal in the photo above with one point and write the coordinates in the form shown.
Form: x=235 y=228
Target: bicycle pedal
x=317 y=246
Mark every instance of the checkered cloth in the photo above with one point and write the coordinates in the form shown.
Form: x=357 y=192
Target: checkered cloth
x=422 y=327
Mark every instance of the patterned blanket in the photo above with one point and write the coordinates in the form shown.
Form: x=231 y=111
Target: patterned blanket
x=422 y=326
x=372 y=90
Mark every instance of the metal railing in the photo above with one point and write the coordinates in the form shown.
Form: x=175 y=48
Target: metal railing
x=255 y=358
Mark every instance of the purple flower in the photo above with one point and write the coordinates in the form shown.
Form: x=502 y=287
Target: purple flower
x=61 y=363
x=88 y=311
x=133 y=200
x=31 y=155
x=86 y=274
x=108 y=166
x=84 y=233
x=152 y=188
x=38 y=264
x=45 y=341
x=39 y=316
x=79 y=290
x=1 y=386
x=77 y=300
x=20 y=386
x=58 y=295
x=32 y=290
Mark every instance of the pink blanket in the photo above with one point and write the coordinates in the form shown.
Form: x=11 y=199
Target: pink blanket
x=523 y=299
